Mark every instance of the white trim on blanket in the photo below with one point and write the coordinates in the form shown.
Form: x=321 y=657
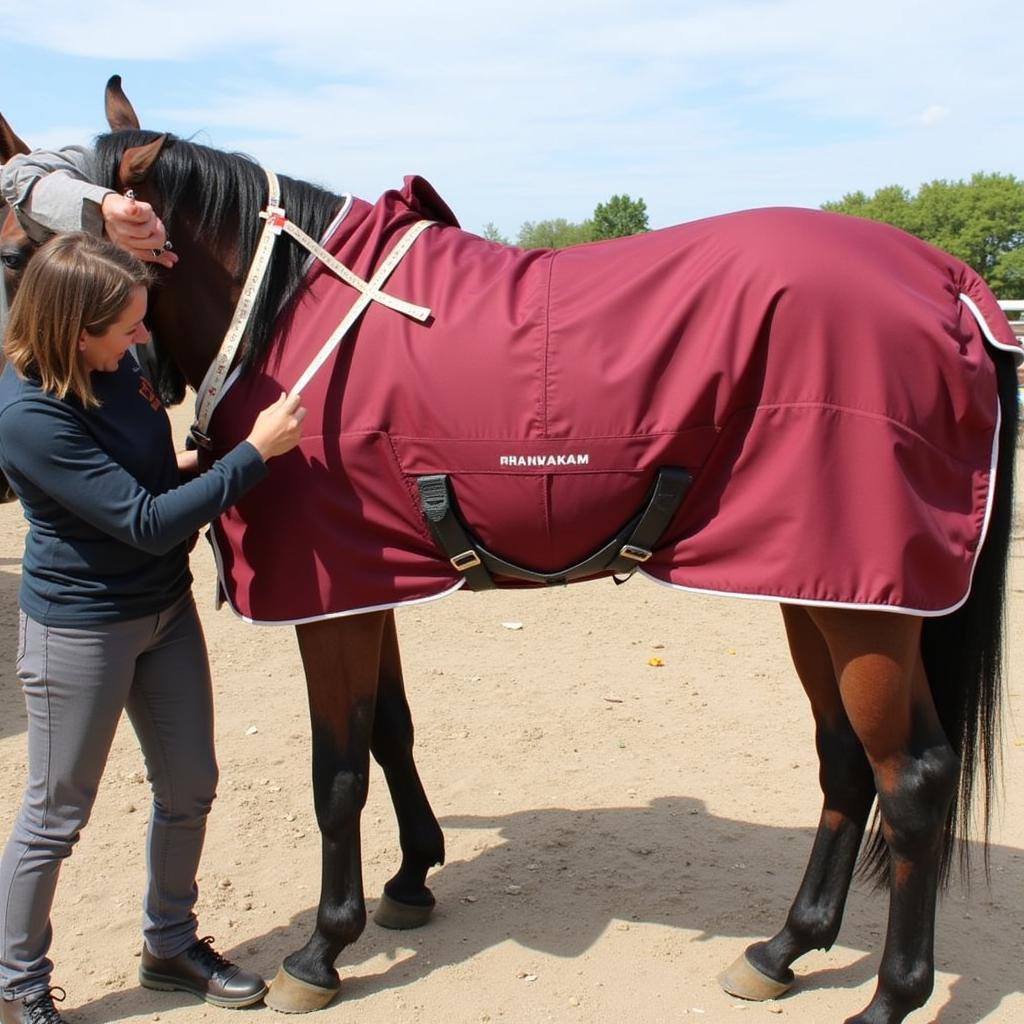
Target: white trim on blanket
x=895 y=609
x=343 y=615
x=221 y=597
x=331 y=228
x=987 y=331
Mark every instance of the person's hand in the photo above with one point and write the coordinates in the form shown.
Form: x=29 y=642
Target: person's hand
x=278 y=428
x=134 y=225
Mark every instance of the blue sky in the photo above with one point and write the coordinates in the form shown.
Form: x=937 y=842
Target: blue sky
x=532 y=110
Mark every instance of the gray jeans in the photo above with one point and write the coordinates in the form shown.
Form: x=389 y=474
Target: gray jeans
x=76 y=682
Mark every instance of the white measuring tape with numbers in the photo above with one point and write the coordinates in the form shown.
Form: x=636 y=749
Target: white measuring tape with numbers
x=276 y=221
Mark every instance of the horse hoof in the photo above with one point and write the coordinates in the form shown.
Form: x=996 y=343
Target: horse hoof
x=392 y=914
x=745 y=981
x=290 y=995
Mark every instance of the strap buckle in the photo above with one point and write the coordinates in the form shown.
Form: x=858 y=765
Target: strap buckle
x=637 y=554
x=466 y=560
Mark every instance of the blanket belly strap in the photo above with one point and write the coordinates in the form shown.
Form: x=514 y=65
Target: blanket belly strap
x=633 y=544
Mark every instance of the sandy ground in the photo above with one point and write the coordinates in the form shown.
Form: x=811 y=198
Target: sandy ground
x=617 y=833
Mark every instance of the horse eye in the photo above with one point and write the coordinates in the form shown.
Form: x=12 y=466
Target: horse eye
x=13 y=259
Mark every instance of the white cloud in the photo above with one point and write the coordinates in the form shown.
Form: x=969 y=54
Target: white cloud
x=532 y=110
x=934 y=114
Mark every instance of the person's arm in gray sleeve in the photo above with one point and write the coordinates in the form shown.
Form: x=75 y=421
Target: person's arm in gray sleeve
x=53 y=191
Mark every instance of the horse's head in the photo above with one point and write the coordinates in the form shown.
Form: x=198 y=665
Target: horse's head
x=191 y=305
x=15 y=246
x=159 y=366
x=210 y=203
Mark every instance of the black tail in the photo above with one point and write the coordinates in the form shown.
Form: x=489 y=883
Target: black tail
x=963 y=657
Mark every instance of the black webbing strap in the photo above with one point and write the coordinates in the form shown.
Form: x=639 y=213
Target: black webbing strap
x=670 y=487
x=449 y=533
x=627 y=550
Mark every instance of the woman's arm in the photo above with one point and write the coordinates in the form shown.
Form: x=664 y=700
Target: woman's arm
x=59 y=457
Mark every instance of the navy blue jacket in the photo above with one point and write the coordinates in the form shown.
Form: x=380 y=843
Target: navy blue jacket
x=109 y=518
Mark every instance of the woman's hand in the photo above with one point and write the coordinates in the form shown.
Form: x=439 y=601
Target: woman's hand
x=278 y=428
x=134 y=225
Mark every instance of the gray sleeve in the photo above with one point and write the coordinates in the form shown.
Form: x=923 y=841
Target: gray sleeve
x=53 y=191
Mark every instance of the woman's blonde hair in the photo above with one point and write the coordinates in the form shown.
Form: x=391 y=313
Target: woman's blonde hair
x=75 y=282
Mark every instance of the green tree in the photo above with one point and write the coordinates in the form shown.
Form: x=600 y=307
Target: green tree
x=980 y=221
x=619 y=217
x=492 y=234
x=891 y=204
x=1007 y=279
x=553 y=234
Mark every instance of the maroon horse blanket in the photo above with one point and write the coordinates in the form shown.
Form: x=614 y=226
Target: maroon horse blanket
x=824 y=379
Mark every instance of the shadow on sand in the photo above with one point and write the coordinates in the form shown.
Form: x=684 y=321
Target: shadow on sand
x=712 y=876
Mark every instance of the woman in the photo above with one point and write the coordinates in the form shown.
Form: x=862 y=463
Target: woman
x=107 y=617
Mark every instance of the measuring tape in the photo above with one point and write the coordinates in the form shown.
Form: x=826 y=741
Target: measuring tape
x=209 y=390
x=276 y=221
x=370 y=293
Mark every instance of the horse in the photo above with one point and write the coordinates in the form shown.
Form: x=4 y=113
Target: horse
x=894 y=620
x=16 y=248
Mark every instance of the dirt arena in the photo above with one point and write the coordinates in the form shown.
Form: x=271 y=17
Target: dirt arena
x=617 y=832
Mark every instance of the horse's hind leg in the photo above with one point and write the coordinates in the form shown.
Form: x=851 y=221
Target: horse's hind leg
x=341 y=658
x=877 y=658
x=407 y=902
x=763 y=972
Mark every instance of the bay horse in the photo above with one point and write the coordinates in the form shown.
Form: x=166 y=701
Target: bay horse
x=16 y=248
x=894 y=619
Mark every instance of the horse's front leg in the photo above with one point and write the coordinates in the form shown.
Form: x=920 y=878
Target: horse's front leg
x=407 y=902
x=341 y=658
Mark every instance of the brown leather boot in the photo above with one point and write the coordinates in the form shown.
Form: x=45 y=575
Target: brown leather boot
x=201 y=970
x=35 y=1009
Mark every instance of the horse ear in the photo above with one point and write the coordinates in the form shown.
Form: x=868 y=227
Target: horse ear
x=137 y=161
x=9 y=142
x=121 y=114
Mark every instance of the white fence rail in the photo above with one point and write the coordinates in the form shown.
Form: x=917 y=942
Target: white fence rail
x=1014 y=306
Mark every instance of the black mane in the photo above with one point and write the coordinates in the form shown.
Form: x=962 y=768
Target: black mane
x=225 y=192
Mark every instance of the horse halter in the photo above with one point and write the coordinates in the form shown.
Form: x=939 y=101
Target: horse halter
x=276 y=222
